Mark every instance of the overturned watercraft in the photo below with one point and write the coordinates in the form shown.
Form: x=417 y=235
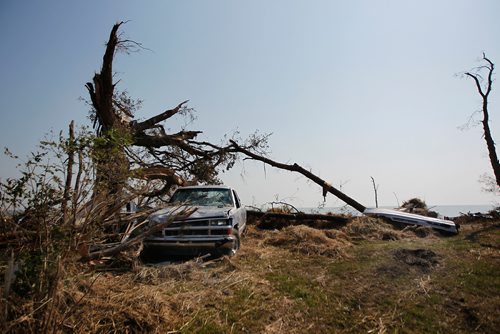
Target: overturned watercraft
x=413 y=219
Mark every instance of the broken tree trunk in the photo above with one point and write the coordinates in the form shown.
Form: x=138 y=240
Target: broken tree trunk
x=128 y=147
x=296 y=168
x=297 y=216
x=276 y=220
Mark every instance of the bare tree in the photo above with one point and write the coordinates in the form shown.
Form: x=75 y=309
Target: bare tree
x=484 y=90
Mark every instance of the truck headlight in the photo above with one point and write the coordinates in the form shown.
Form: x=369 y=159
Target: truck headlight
x=219 y=222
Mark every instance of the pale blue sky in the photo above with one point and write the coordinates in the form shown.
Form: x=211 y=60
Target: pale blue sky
x=350 y=89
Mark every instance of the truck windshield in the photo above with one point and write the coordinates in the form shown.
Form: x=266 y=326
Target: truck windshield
x=203 y=197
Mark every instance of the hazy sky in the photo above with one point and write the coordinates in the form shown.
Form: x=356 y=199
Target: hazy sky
x=349 y=89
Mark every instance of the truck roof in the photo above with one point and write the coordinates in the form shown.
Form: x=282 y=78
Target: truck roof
x=206 y=187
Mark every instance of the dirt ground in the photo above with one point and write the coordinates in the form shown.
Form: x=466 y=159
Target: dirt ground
x=366 y=276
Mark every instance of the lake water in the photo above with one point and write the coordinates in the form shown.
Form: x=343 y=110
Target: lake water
x=443 y=210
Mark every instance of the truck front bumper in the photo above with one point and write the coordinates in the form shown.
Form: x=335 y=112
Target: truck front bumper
x=185 y=245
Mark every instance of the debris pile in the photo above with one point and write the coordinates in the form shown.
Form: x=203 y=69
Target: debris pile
x=310 y=241
x=368 y=228
x=417 y=206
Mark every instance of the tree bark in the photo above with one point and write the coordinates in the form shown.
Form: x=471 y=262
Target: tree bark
x=101 y=91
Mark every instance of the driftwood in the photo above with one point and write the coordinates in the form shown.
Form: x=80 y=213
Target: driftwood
x=277 y=220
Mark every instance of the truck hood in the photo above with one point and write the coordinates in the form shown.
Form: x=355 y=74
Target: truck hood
x=201 y=212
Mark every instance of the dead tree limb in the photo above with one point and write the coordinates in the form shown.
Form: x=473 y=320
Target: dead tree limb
x=284 y=204
x=296 y=168
x=485 y=92
x=141 y=126
x=183 y=214
x=375 y=190
x=69 y=170
x=77 y=186
x=275 y=220
x=299 y=216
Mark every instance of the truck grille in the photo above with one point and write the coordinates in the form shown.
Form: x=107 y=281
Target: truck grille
x=196 y=223
x=195 y=228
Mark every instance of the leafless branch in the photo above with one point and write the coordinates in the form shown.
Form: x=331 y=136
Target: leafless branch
x=484 y=92
x=375 y=189
x=296 y=168
x=182 y=214
x=285 y=204
x=141 y=126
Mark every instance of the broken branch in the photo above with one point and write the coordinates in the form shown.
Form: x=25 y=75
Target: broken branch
x=185 y=213
x=296 y=168
x=139 y=127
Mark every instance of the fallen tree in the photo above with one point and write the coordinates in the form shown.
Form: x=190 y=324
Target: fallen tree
x=393 y=215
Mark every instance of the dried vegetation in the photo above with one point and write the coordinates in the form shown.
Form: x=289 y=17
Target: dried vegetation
x=366 y=276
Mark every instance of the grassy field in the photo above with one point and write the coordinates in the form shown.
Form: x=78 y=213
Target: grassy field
x=365 y=277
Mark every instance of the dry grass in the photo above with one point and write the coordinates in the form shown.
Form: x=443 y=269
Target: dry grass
x=368 y=228
x=310 y=241
x=364 y=277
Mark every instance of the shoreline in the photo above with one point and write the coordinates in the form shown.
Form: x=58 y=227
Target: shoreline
x=443 y=210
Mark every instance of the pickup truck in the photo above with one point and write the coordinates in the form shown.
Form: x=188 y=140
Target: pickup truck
x=215 y=227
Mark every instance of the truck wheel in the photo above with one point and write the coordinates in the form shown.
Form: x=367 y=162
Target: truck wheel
x=235 y=246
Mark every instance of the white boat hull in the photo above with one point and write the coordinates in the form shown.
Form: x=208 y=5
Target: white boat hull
x=413 y=219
